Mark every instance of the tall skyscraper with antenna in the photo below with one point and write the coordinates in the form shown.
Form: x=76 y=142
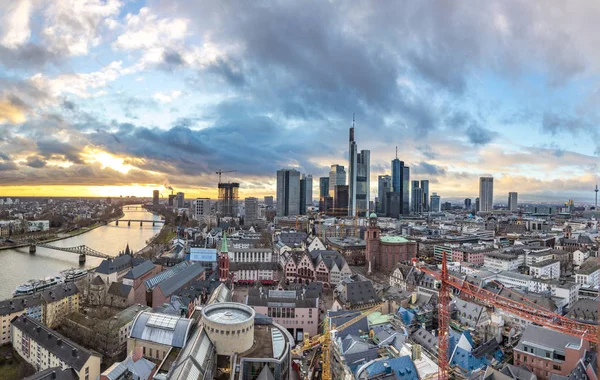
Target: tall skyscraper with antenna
x=359 y=173
x=596 y=202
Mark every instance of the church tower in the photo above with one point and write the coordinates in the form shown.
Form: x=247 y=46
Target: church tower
x=224 y=260
x=372 y=239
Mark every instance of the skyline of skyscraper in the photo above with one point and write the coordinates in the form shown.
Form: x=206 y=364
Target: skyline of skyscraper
x=425 y=194
x=359 y=173
x=435 y=203
x=416 y=197
x=486 y=194
x=337 y=176
x=288 y=192
x=323 y=187
x=512 y=201
x=384 y=186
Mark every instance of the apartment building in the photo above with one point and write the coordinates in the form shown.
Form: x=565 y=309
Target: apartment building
x=44 y=348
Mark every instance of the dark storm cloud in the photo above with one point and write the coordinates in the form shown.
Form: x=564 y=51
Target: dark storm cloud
x=427 y=168
x=51 y=147
x=27 y=56
x=479 y=136
x=35 y=162
x=7 y=166
x=229 y=71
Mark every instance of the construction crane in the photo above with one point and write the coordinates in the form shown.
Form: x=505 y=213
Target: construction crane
x=219 y=172
x=534 y=314
x=324 y=340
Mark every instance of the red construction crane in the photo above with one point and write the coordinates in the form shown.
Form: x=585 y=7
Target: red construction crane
x=534 y=314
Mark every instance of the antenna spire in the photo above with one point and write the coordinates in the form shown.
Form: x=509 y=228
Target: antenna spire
x=353 y=119
x=396 y=151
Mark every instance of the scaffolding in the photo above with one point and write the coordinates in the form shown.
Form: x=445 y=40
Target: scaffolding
x=228 y=199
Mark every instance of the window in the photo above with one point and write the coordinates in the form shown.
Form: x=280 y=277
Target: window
x=150 y=352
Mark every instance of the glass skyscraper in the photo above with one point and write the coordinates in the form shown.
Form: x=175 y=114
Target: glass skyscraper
x=323 y=186
x=486 y=194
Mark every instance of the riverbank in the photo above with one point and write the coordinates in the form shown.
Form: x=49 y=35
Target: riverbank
x=69 y=234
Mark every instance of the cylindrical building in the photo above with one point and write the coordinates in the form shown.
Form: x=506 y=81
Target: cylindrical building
x=230 y=326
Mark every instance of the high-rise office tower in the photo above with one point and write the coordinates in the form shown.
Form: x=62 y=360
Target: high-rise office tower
x=401 y=183
x=397 y=174
x=425 y=192
x=405 y=190
x=416 y=198
x=352 y=169
x=359 y=173
x=384 y=186
x=323 y=187
x=288 y=192
x=180 y=200
x=467 y=203
x=201 y=207
x=172 y=199
x=337 y=176
x=251 y=207
x=486 y=194
x=341 y=200
x=362 y=193
x=435 y=203
x=155 y=195
x=269 y=201
x=512 y=201
x=309 y=190
x=302 y=206
x=477 y=204
x=228 y=198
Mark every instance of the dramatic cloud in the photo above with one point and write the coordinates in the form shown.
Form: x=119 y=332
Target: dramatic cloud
x=109 y=92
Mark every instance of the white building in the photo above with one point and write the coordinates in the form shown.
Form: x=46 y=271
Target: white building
x=201 y=208
x=38 y=225
x=499 y=261
x=579 y=257
x=549 y=269
x=588 y=276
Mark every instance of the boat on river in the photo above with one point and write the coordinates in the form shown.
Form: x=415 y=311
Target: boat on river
x=34 y=286
x=73 y=274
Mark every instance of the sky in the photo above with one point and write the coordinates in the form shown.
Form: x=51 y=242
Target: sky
x=121 y=97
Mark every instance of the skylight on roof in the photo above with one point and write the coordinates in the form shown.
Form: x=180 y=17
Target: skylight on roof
x=164 y=322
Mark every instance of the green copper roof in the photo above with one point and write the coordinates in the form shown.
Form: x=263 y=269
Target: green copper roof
x=393 y=239
x=224 y=243
x=373 y=215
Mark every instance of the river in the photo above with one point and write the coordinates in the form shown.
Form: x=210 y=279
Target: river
x=18 y=265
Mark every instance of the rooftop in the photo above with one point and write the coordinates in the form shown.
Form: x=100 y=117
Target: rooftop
x=54 y=373
x=228 y=313
x=161 y=328
x=547 y=338
x=394 y=239
x=67 y=351
x=544 y=263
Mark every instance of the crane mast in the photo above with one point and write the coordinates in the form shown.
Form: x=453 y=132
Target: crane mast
x=539 y=316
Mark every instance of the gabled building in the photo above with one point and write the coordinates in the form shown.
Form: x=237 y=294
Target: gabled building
x=31 y=306
x=44 y=348
x=357 y=295
x=546 y=352
x=136 y=276
x=115 y=268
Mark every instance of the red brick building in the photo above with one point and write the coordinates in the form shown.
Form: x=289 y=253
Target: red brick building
x=546 y=352
x=136 y=277
x=384 y=252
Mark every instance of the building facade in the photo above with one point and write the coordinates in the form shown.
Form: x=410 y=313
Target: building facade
x=337 y=176
x=384 y=186
x=486 y=194
x=512 y=202
x=288 y=192
x=251 y=210
x=435 y=205
x=44 y=348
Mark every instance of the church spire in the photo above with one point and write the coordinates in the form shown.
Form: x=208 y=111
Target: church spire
x=224 y=243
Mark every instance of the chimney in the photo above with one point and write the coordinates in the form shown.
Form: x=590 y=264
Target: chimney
x=137 y=354
x=74 y=352
x=53 y=375
x=38 y=329
x=49 y=336
x=59 y=342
